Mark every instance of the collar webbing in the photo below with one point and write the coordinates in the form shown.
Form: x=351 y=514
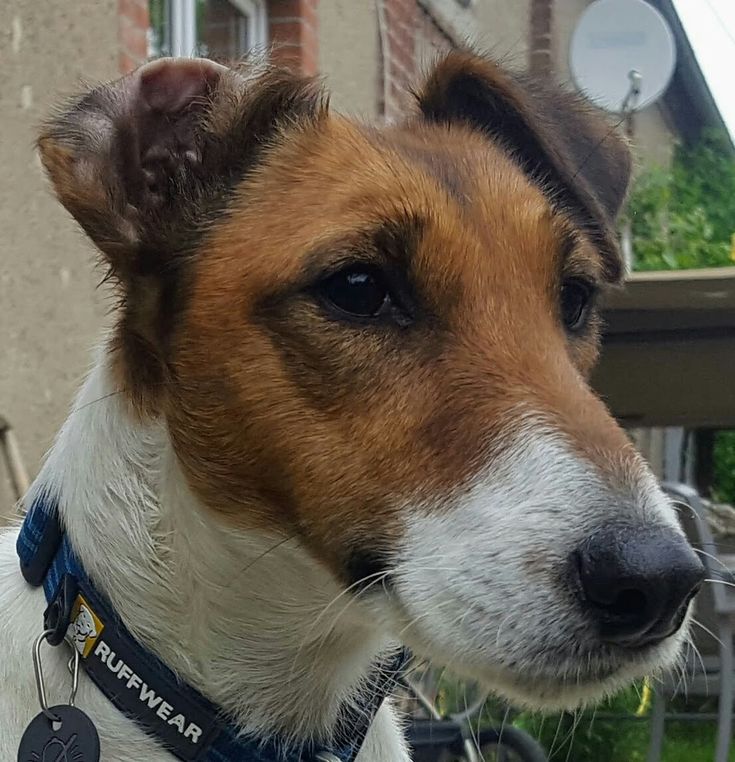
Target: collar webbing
x=139 y=684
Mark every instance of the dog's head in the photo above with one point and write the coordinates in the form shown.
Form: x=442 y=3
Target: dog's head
x=378 y=340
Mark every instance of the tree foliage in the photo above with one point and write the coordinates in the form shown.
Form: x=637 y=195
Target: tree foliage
x=724 y=466
x=684 y=216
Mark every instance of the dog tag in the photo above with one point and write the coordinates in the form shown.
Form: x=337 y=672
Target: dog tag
x=72 y=739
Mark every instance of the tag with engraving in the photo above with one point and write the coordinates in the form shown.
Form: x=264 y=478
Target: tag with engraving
x=72 y=739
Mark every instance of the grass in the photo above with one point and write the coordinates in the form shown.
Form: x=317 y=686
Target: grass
x=625 y=739
x=591 y=738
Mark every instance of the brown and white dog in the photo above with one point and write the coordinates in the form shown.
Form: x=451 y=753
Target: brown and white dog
x=345 y=403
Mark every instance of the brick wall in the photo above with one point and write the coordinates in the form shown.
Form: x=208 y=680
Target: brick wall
x=132 y=33
x=411 y=35
x=292 y=29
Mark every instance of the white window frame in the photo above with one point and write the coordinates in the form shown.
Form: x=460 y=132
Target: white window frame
x=184 y=32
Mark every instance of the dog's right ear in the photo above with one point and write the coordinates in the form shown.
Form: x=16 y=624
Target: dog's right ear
x=139 y=162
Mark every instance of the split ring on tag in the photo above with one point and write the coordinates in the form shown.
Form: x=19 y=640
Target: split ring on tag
x=60 y=732
x=73 y=667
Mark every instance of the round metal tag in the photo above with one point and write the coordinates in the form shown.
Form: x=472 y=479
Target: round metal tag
x=72 y=739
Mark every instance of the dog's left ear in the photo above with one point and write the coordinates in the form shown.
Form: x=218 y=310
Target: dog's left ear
x=142 y=161
x=560 y=141
x=148 y=163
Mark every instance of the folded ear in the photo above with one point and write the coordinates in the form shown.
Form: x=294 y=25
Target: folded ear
x=146 y=162
x=139 y=162
x=560 y=140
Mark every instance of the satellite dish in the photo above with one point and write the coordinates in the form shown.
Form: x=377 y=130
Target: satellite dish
x=622 y=54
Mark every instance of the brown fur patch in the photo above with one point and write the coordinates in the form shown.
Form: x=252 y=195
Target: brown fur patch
x=326 y=428
x=282 y=413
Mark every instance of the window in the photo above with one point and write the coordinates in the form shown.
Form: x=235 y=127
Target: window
x=219 y=29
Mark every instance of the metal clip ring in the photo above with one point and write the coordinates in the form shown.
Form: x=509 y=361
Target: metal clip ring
x=73 y=666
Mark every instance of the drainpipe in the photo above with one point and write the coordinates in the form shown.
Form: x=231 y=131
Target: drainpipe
x=539 y=50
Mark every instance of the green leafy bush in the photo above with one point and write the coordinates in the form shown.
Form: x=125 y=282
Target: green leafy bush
x=724 y=466
x=684 y=216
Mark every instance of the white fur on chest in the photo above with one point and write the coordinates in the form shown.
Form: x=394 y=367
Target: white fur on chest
x=236 y=614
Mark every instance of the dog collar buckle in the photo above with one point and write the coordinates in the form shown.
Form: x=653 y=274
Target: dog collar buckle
x=58 y=614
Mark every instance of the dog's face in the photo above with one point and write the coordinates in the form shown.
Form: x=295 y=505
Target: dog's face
x=378 y=341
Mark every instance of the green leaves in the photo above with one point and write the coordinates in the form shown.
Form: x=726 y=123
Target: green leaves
x=724 y=466
x=684 y=216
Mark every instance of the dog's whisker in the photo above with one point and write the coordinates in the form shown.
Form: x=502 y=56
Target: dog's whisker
x=720 y=582
x=553 y=747
x=237 y=578
x=503 y=723
x=423 y=615
x=718 y=561
x=576 y=717
x=500 y=629
x=375 y=578
x=593 y=717
x=699 y=657
x=480 y=713
x=707 y=630
x=609 y=134
x=680 y=669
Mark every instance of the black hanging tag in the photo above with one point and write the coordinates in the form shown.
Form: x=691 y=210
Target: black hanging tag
x=71 y=738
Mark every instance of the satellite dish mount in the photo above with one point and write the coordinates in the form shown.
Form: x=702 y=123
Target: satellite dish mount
x=622 y=58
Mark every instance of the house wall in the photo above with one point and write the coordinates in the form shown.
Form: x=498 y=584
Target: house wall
x=502 y=30
x=349 y=55
x=50 y=312
x=369 y=52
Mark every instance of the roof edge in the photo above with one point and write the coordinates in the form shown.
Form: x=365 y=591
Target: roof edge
x=688 y=99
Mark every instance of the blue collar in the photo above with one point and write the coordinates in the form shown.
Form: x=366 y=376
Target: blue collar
x=139 y=684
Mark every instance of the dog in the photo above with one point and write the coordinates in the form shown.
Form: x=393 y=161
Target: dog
x=344 y=405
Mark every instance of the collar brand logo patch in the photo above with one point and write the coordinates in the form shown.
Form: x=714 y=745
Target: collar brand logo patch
x=85 y=627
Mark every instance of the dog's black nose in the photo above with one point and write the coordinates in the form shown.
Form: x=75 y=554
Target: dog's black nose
x=637 y=583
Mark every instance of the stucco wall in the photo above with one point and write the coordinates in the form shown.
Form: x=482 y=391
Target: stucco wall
x=349 y=42
x=349 y=54
x=50 y=313
x=503 y=30
x=654 y=139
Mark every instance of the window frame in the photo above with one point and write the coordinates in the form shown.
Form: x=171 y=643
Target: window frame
x=183 y=26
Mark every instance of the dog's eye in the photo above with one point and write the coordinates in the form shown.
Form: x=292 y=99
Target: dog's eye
x=576 y=302
x=358 y=291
